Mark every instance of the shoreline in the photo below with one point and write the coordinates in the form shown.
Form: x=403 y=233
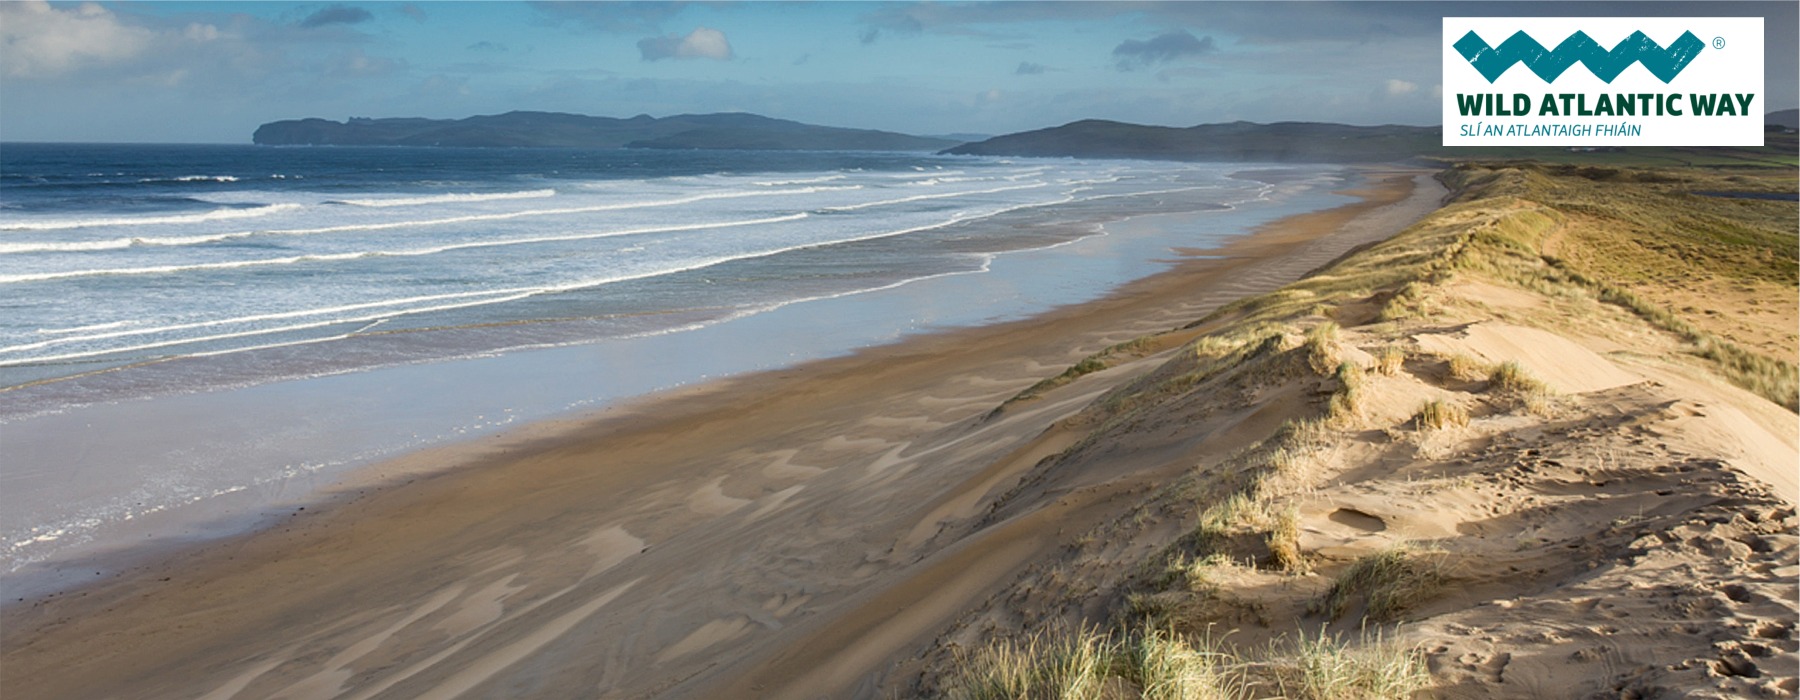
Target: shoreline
x=514 y=555
x=215 y=460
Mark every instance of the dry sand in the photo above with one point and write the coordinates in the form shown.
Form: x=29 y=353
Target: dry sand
x=1627 y=531
x=776 y=535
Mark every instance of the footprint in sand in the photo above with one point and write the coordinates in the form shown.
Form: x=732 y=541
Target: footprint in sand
x=1357 y=520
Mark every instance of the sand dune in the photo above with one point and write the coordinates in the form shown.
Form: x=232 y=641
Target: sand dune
x=1592 y=513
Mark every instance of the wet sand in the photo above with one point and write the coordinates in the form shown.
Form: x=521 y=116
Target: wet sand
x=770 y=535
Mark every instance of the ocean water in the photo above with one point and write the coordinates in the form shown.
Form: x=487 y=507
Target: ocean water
x=120 y=255
x=187 y=322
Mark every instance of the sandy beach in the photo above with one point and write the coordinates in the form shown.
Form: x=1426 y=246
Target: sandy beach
x=1395 y=435
x=768 y=535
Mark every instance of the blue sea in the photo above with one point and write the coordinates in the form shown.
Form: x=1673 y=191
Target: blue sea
x=187 y=322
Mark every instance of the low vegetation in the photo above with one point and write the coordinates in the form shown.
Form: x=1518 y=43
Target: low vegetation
x=1346 y=402
x=1389 y=359
x=1388 y=583
x=1437 y=414
x=1158 y=665
x=1603 y=245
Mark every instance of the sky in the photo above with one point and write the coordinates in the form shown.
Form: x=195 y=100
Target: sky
x=211 y=72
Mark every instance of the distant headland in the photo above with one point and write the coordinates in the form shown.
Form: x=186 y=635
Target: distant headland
x=551 y=129
x=1239 y=142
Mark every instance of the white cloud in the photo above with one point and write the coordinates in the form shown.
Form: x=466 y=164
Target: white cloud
x=1396 y=87
x=700 y=43
x=37 y=40
x=201 y=33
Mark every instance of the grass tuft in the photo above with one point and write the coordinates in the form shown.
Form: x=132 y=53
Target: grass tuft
x=1167 y=668
x=1389 y=359
x=1346 y=401
x=1089 y=666
x=1072 y=667
x=1284 y=543
x=1465 y=368
x=1438 y=415
x=1390 y=582
x=1377 y=669
x=1510 y=377
x=1322 y=347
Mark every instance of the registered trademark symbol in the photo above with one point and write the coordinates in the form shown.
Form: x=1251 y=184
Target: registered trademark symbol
x=1718 y=42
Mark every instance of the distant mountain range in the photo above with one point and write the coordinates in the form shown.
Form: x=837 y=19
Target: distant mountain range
x=1237 y=141
x=1312 y=142
x=550 y=129
x=1789 y=118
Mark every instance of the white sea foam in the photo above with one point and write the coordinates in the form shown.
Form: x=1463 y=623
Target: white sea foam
x=214 y=215
x=65 y=246
x=192 y=178
x=923 y=174
x=450 y=198
x=84 y=329
x=126 y=242
x=801 y=181
x=492 y=297
x=940 y=195
x=334 y=257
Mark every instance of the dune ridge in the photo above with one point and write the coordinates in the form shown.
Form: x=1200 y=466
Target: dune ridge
x=1449 y=463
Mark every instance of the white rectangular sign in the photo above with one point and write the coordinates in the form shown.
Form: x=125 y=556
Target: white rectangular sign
x=1603 y=81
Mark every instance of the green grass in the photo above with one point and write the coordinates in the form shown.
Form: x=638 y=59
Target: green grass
x=1161 y=665
x=1167 y=667
x=1377 y=669
x=1047 y=667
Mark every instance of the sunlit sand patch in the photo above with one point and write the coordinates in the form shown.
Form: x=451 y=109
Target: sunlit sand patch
x=844 y=443
x=329 y=683
x=776 y=501
x=711 y=633
x=884 y=462
x=1558 y=361
x=480 y=608
x=237 y=684
x=611 y=545
x=784 y=467
x=709 y=499
x=485 y=667
x=952 y=402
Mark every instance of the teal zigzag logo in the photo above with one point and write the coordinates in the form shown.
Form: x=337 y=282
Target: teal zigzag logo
x=1663 y=63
